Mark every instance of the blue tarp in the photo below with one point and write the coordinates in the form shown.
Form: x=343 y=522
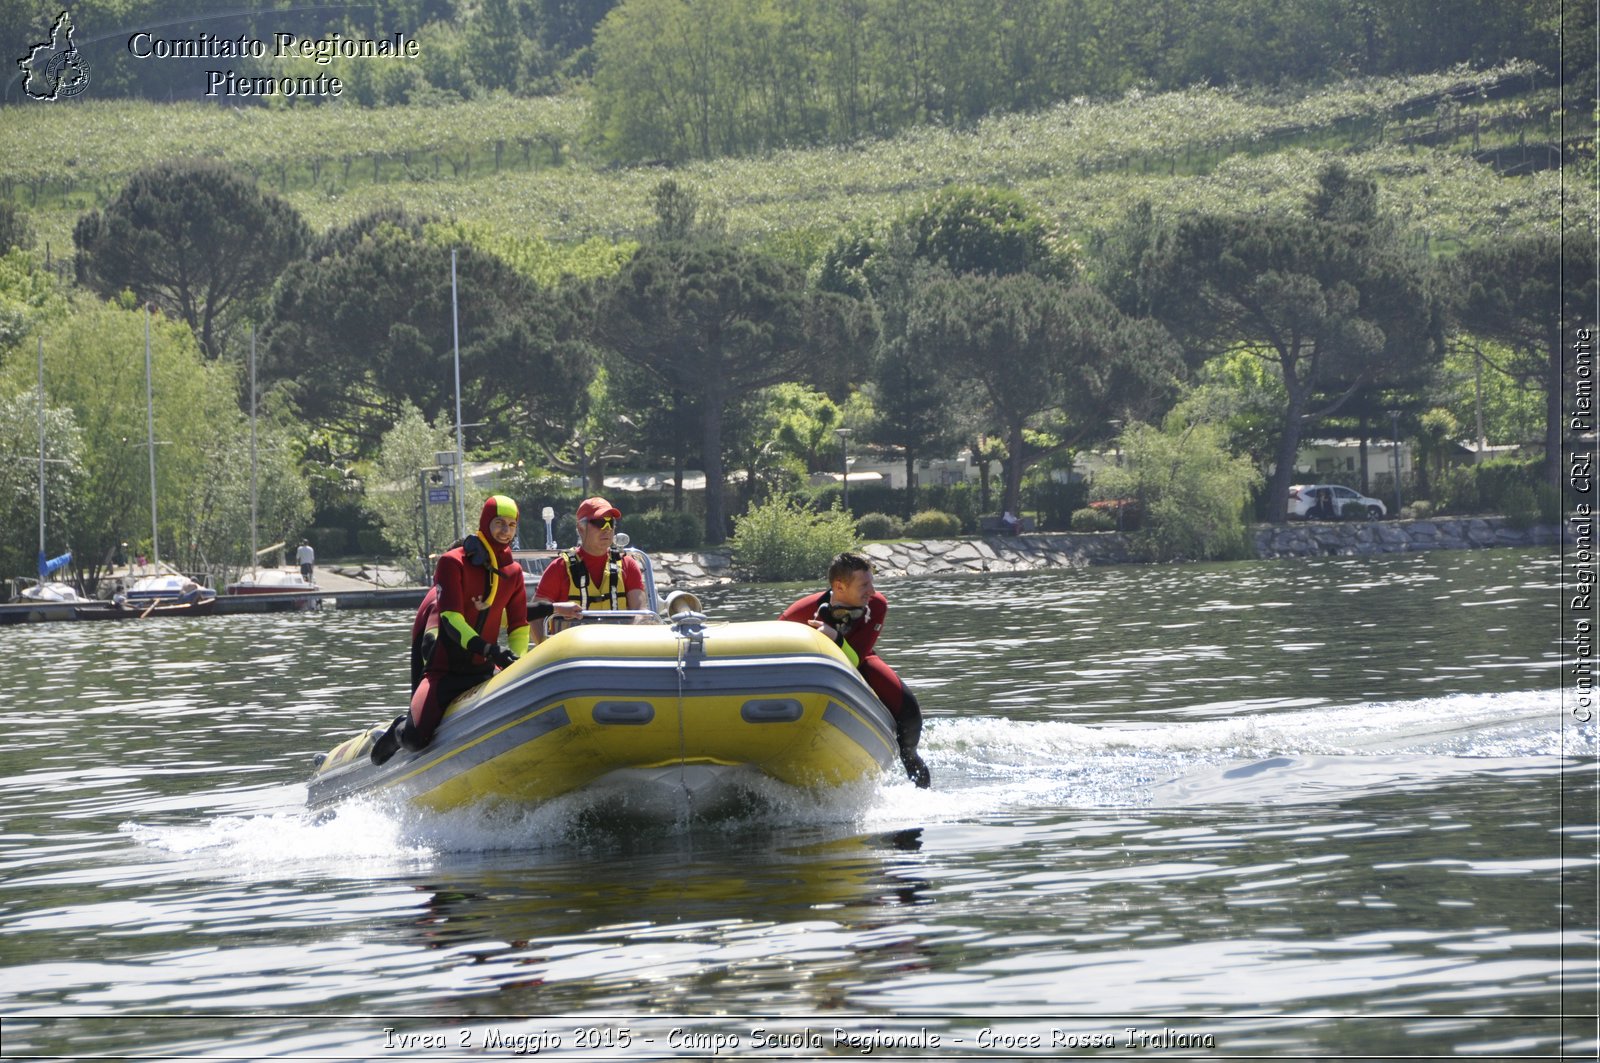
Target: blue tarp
x=47 y=567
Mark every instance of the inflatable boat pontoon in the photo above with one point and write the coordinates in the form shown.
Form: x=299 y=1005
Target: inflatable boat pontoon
x=624 y=696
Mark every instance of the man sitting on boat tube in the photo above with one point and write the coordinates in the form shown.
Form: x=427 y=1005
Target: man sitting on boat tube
x=596 y=575
x=456 y=637
x=851 y=613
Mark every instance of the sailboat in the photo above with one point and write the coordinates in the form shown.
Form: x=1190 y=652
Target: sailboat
x=45 y=590
x=165 y=593
x=273 y=581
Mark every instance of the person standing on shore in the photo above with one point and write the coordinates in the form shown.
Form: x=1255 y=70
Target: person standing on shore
x=306 y=558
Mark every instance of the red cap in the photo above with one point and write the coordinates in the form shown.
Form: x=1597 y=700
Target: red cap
x=596 y=509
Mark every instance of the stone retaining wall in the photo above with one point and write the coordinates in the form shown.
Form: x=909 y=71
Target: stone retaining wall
x=1316 y=539
x=1022 y=553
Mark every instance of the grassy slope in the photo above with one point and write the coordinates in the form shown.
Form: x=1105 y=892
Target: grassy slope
x=1085 y=163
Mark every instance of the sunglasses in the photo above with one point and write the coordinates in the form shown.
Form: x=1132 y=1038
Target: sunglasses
x=603 y=522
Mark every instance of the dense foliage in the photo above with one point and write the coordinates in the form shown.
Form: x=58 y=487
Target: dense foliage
x=1193 y=494
x=676 y=79
x=196 y=239
x=781 y=540
x=1015 y=196
x=1332 y=299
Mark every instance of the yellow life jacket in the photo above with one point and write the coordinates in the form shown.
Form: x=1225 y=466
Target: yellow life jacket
x=606 y=595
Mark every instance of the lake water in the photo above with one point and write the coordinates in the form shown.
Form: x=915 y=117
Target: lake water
x=1295 y=808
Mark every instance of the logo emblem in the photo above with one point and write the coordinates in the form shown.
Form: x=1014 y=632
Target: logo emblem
x=55 y=69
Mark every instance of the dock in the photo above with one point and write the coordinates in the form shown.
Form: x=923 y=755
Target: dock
x=333 y=591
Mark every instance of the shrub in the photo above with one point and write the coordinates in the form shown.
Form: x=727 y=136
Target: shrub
x=1457 y=492
x=330 y=541
x=878 y=526
x=1500 y=483
x=1549 y=504
x=1421 y=509
x=1055 y=503
x=1520 y=505
x=1088 y=519
x=782 y=540
x=960 y=500
x=933 y=524
x=370 y=542
x=1352 y=511
x=664 y=529
x=1194 y=494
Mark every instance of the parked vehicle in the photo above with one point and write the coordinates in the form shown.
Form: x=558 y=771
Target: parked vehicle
x=1328 y=502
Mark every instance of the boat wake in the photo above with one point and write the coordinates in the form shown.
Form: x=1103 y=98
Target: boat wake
x=1276 y=757
x=983 y=765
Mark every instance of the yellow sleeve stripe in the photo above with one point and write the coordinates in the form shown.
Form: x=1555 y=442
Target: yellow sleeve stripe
x=463 y=630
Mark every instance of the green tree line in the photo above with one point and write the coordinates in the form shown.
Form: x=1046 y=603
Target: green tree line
x=677 y=79
x=964 y=319
x=682 y=78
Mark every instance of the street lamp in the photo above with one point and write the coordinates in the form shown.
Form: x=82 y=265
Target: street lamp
x=844 y=455
x=549 y=517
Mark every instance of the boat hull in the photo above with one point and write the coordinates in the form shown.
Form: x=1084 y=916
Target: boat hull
x=600 y=703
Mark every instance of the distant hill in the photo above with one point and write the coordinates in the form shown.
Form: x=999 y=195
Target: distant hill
x=1460 y=156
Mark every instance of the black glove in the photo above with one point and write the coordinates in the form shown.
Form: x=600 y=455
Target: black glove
x=492 y=652
x=916 y=768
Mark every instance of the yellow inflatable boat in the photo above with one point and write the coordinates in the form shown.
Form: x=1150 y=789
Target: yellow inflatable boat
x=687 y=705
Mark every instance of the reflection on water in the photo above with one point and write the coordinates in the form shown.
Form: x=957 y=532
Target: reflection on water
x=1305 y=807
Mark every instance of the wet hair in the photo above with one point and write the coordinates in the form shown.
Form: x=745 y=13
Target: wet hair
x=844 y=567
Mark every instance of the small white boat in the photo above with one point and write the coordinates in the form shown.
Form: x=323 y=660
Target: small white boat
x=48 y=600
x=52 y=591
x=165 y=595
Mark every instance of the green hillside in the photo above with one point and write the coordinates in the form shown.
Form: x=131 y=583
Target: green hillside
x=1460 y=156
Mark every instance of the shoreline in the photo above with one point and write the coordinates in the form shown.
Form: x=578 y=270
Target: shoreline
x=1037 y=551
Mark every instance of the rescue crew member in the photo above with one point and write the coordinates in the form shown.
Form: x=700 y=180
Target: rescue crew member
x=596 y=575
x=851 y=613
x=477 y=589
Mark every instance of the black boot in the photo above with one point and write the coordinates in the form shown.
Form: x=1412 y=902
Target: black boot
x=388 y=743
x=908 y=732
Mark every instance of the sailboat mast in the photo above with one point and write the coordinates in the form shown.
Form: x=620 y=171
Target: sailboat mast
x=41 y=456
x=461 y=465
x=252 y=452
x=150 y=430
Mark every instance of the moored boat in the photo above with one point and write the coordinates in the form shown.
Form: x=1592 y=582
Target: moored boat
x=294 y=590
x=687 y=706
x=168 y=594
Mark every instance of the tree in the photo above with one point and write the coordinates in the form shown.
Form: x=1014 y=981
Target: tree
x=711 y=322
x=1193 y=491
x=395 y=498
x=1530 y=294
x=985 y=230
x=216 y=507
x=94 y=366
x=15 y=231
x=1045 y=356
x=19 y=480
x=1333 y=299
x=980 y=231
x=368 y=328
x=197 y=239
